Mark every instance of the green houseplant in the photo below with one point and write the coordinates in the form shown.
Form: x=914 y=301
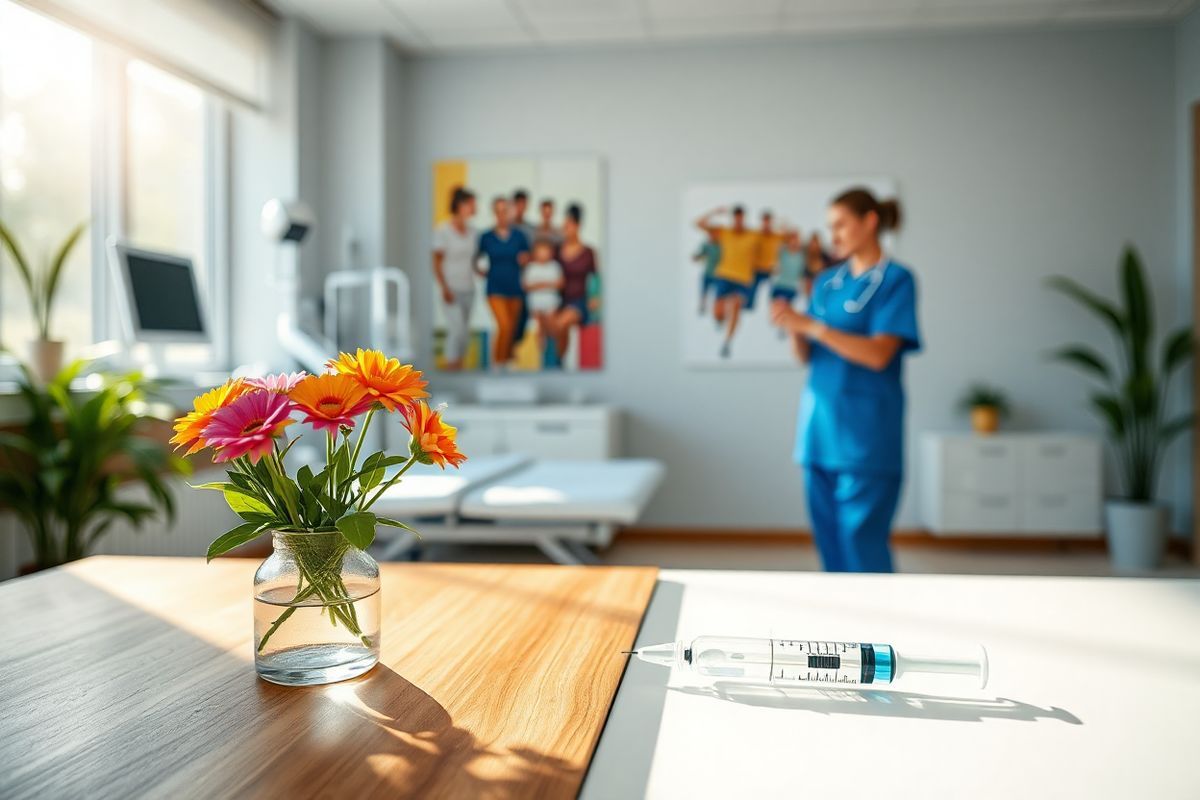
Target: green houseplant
x=61 y=470
x=1132 y=402
x=41 y=287
x=986 y=405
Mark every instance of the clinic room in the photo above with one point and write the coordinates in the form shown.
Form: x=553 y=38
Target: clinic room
x=602 y=399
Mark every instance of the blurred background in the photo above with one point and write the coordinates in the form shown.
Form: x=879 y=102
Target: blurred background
x=293 y=163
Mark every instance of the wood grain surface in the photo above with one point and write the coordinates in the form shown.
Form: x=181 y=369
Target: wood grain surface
x=132 y=677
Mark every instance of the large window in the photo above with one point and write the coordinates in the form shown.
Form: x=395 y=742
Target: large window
x=45 y=166
x=87 y=133
x=165 y=162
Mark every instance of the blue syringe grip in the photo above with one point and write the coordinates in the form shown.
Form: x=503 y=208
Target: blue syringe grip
x=878 y=663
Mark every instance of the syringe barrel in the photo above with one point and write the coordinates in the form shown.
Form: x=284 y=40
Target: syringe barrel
x=791 y=661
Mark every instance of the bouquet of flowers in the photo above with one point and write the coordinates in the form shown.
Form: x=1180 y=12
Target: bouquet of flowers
x=244 y=420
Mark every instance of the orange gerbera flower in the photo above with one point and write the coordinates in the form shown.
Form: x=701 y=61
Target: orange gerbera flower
x=190 y=427
x=330 y=401
x=433 y=441
x=393 y=384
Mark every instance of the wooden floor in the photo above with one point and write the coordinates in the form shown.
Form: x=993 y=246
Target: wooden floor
x=757 y=552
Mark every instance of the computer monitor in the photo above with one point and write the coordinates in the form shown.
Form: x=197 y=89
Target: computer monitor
x=160 y=299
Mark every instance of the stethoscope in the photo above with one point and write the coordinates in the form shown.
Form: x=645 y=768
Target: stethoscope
x=853 y=305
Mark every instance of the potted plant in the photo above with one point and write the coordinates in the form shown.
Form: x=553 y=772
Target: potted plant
x=41 y=287
x=986 y=405
x=1132 y=402
x=317 y=597
x=66 y=470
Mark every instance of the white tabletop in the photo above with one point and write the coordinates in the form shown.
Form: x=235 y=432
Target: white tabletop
x=1094 y=692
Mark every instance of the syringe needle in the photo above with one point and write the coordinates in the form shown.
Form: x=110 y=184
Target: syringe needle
x=629 y=652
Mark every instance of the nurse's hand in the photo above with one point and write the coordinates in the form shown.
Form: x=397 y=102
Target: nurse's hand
x=786 y=317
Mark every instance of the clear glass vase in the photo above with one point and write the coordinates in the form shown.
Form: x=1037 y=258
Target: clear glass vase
x=316 y=609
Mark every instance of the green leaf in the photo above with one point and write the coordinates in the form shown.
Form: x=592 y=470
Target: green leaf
x=219 y=486
x=233 y=538
x=50 y=289
x=372 y=472
x=288 y=446
x=1141 y=392
x=1176 y=349
x=1085 y=359
x=358 y=528
x=304 y=477
x=1092 y=301
x=384 y=462
x=241 y=502
x=1139 y=310
x=1109 y=407
x=1168 y=431
x=392 y=523
x=19 y=261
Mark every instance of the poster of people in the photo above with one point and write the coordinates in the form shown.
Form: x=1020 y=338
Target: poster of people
x=745 y=245
x=517 y=258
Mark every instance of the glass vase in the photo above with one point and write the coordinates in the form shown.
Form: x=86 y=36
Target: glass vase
x=316 y=609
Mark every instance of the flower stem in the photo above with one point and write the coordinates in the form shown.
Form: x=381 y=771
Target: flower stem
x=362 y=434
x=390 y=483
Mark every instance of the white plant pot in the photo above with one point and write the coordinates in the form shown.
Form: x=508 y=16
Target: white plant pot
x=45 y=358
x=1137 y=534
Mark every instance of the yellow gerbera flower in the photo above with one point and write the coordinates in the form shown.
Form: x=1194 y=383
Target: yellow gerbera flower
x=393 y=384
x=190 y=427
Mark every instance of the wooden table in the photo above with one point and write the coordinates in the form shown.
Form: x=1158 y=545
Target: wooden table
x=1094 y=692
x=128 y=677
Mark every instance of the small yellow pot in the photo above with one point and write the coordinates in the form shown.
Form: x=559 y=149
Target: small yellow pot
x=985 y=419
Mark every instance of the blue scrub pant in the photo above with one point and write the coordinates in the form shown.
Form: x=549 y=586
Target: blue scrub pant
x=851 y=516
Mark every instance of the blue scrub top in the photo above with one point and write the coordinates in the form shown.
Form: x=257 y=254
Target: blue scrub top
x=852 y=417
x=504 y=271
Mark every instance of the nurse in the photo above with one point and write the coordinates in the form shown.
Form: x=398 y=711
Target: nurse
x=861 y=323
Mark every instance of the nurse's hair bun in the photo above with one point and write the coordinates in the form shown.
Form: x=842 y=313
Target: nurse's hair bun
x=860 y=201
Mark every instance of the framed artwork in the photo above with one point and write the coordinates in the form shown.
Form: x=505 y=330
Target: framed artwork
x=761 y=236
x=518 y=258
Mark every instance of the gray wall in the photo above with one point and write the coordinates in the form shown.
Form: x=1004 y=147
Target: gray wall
x=1187 y=93
x=264 y=152
x=1017 y=155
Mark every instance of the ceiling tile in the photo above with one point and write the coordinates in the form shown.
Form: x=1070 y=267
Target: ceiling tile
x=451 y=14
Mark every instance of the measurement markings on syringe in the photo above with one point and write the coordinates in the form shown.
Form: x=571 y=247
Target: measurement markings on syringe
x=816 y=661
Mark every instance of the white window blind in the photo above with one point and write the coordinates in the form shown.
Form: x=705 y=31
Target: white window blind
x=221 y=45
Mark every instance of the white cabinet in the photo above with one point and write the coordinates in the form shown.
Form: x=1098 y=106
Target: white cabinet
x=1023 y=484
x=540 y=431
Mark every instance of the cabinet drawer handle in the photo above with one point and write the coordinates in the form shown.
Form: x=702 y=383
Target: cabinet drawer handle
x=552 y=427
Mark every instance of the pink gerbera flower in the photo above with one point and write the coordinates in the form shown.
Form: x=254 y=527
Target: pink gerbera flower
x=248 y=426
x=282 y=383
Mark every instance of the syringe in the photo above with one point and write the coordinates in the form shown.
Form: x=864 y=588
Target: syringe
x=806 y=661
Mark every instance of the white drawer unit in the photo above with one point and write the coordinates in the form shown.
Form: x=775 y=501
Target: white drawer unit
x=540 y=431
x=1023 y=483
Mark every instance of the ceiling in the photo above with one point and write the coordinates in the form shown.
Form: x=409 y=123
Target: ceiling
x=433 y=26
